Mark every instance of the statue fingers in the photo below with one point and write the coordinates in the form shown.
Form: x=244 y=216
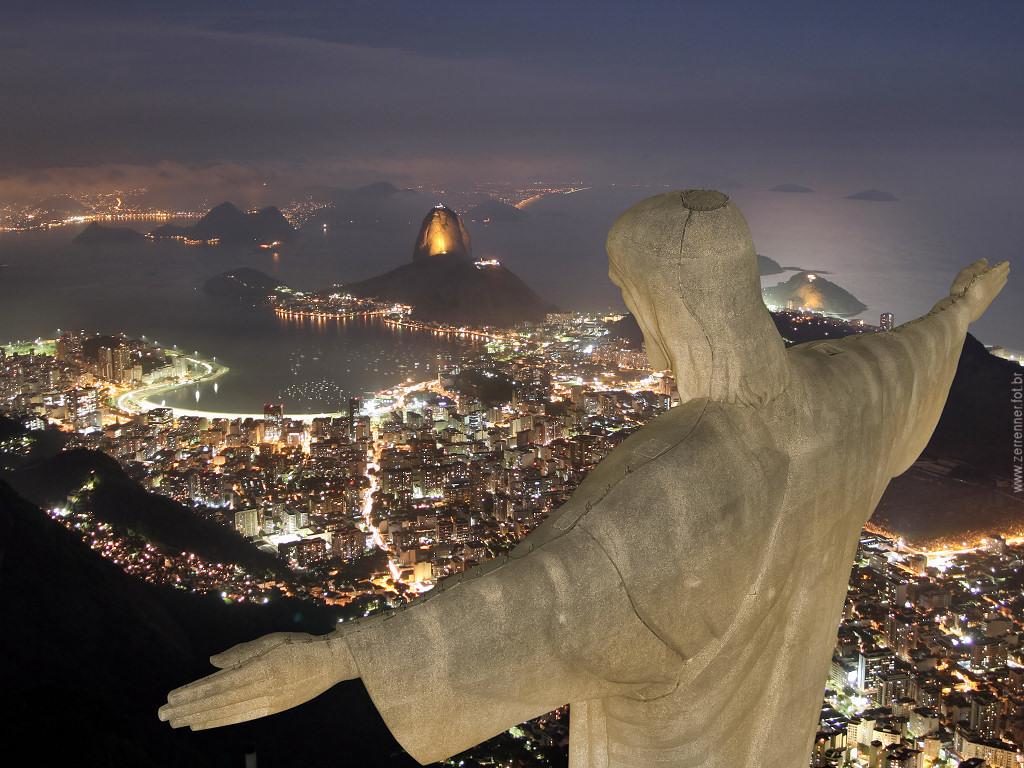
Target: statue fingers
x=1002 y=274
x=224 y=680
x=241 y=695
x=230 y=721
x=227 y=715
x=237 y=654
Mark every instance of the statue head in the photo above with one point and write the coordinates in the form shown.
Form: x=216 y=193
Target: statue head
x=687 y=268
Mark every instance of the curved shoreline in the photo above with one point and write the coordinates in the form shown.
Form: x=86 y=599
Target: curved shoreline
x=141 y=400
x=138 y=401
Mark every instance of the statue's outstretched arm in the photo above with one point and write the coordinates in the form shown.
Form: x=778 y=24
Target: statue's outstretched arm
x=915 y=363
x=463 y=663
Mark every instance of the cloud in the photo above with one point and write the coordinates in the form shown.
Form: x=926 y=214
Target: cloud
x=167 y=183
x=421 y=95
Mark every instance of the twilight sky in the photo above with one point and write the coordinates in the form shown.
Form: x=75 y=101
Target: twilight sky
x=903 y=96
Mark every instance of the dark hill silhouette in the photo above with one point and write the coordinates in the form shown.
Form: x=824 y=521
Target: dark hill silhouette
x=923 y=505
x=97 y=234
x=222 y=220
x=60 y=205
x=768 y=266
x=811 y=290
x=42 y=443
x=88 y=654
x=232 y=226
x=91 y=346
x=452 y=290
x=169 y=230
x=120 y=501
x=377 y=190
x=792 y=188
x=977 y=421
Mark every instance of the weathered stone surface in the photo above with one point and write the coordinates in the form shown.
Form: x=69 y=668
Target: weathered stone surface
x=442 y=233
x=685 y=600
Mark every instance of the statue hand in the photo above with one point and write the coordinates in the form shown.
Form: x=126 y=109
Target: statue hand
x=978 y=284
x=259 y=678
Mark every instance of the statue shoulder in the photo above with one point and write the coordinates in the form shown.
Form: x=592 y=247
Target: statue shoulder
x=668 y=431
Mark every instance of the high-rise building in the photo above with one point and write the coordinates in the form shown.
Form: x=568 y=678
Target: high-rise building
x=997 y=754
x=894 y=686
x=248 y=522
x=82 y=407
x=984 y=717
x=69 y=347
x=886 y=321
x=273 y=422
x=349 y=544
x=105 y=363
x=872 y=666
x=122 y=364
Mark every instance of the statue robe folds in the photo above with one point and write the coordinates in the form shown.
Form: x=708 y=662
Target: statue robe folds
x=685 y=600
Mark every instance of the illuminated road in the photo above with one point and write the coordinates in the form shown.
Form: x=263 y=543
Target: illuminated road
x=941 y=557
x=373 y=467
x=547 y=193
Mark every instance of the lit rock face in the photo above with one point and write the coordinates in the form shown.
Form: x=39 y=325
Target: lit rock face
x=812 y=291
x=685 y=600
x=442 y=233
x=443 y=284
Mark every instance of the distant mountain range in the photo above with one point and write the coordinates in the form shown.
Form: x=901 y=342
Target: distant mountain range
x=231 y=226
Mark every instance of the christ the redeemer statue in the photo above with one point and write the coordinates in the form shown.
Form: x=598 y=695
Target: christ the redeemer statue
x=685 y=600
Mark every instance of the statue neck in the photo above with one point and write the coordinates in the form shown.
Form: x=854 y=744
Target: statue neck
x=734 y=357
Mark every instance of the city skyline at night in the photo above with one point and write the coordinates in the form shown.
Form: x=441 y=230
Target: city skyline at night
x=325 y=318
